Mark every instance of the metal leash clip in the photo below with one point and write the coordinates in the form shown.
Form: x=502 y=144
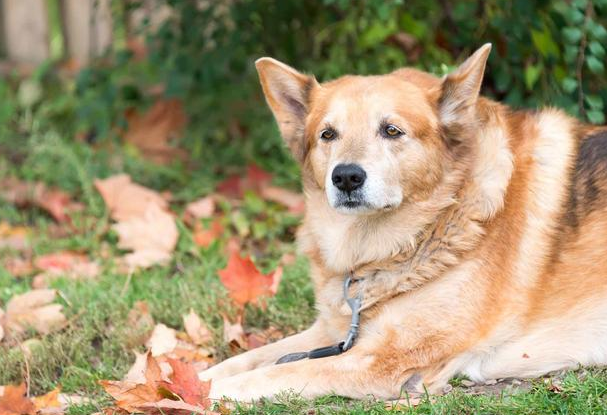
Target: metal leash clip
x=354 y=304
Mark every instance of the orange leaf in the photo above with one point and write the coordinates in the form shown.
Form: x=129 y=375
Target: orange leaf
x=14 y=401
x=130 y=396
x=185 y=384
x=245 y=283
x=204 y=237
x=50 y=400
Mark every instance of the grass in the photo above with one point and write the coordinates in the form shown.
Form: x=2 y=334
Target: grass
x=98 y=343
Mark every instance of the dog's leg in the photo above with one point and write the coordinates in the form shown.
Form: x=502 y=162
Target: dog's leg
x=355 y=374
x=309 y=339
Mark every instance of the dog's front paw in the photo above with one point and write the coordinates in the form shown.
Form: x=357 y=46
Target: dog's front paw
x=233 y=389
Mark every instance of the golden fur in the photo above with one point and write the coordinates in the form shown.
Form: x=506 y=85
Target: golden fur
x=480 y=249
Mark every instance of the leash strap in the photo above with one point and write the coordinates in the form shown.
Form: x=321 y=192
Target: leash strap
x=343 y=346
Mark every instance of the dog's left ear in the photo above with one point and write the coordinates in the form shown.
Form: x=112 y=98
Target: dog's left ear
x=288 y=94
x=460 y=89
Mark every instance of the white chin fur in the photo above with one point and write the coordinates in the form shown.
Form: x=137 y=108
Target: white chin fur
x=373 y=198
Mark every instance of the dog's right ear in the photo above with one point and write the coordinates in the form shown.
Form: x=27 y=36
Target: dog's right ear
x=287 y=93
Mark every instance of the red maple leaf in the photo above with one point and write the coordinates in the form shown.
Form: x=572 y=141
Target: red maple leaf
x=185 y=384
x=244 y=281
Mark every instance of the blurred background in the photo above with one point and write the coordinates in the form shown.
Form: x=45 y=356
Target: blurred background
x=134 y=85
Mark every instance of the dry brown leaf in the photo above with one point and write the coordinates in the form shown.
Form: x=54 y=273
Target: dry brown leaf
x=163 y=340
x=152 y=238
x=14 y=402
x=196 y=329
x=22 y=194
x=168 y=406
x=152 y=131
x=129 y=395
x=125 y=199
x=33 y=309
x=233 y=334
x=136 y=373
x=18 y=267
x=201 y=208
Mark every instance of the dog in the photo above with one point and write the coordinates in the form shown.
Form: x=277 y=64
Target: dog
x=474 y=236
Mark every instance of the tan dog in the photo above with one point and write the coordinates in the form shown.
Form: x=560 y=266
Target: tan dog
x=479 y=234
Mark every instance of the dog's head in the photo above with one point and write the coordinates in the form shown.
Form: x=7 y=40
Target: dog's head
x=373 y=142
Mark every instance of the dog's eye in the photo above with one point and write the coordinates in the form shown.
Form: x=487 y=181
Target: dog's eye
x=328 y=134
x=392 y=131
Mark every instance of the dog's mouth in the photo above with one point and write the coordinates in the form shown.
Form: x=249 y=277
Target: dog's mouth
x=352 y=203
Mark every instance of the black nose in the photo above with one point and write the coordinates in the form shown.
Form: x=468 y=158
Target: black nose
x=348 y=177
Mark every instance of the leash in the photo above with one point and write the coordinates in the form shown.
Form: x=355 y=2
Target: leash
x=354 y=303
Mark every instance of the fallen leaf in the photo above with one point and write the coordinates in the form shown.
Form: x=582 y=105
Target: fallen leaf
x=14 y=402
x=205 y=237
x=125 y=199
x=168 y=406
x=295 y=202
x=254 y=180
x=163 y=340
x=33 y=309
x=245 y=283
x=18 y=267
x=255 y=340
x=152 y=238
x=50 y=400
x=69 y=264
x=196 y=329
x=185 y=384
x=152 y=131
x=233 y=334
x=129 y=395
x=201 y=208
x=136 y=373
x=147 y=393
x=14 y=237
x=55 y=202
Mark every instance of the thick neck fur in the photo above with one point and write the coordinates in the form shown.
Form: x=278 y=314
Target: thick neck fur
x=416 y=236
